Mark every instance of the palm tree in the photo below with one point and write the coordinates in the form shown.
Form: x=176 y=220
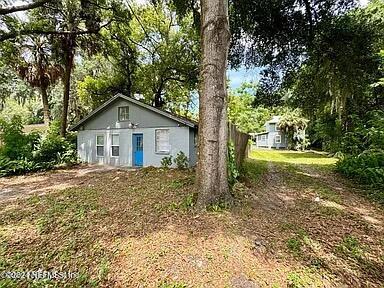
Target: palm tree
x=38 y=70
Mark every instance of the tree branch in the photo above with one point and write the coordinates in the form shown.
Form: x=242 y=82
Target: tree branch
x=8 y=10
x=11 y=35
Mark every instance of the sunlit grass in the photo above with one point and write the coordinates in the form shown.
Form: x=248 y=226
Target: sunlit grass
x=293 y=157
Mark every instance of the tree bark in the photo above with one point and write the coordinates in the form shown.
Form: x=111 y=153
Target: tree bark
x=67 y=86
x=212 y=174
x=44 y=98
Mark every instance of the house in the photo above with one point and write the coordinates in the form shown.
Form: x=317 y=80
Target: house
x=272 y=137
x=127 y=132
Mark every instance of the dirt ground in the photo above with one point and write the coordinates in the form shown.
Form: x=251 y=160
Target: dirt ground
x=295 y=223
x=25 y=186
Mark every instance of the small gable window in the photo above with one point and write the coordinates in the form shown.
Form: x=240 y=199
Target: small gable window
x=123 y=113
x=162 y=141
x=115 y=145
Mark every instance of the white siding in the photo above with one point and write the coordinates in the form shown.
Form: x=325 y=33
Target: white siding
x=86 y=141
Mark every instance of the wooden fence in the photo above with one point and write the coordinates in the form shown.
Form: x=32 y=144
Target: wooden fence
x=240 y=141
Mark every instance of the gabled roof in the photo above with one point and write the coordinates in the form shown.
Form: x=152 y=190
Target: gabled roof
x=179 y=119
x=275 y=119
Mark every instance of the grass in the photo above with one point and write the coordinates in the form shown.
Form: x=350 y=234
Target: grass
x=142 y=230
x=350 y=247
x=293 y=157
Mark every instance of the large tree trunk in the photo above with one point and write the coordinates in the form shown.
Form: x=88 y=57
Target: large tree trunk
x=70 y=44
x=212 y=174
x=67 y=88
x=44 y=98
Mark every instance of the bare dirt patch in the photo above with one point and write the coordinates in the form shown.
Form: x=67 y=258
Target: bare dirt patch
x=15 y=187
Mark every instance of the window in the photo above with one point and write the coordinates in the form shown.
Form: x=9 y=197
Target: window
x=123 y=113
x=100 y=145
x=277 y=128
x=162 y=141
x=263 y=137
x=115 y=145
x=278 y=139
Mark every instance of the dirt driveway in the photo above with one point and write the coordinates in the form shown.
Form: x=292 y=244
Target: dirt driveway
x=12 y=188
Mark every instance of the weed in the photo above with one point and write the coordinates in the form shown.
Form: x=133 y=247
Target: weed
x=172 y=285
x=188 y=202
x=103 y=270
x=252 y=170
x=218 y=207
x=329 y=194
x=294 y=245
x=329 y=211
x=295 y=280
x=350 y=247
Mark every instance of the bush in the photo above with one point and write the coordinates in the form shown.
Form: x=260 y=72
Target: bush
x=15 y=143
x=367 y=168
x=166 y=162
x=22 y=153
x=21 y=166
x=54 y=148
x=181 y=160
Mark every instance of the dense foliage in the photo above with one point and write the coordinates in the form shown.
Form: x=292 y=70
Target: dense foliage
x=21 y=153
x=368 y=168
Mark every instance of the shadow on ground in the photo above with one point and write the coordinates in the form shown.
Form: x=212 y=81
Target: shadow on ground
x=292 y=224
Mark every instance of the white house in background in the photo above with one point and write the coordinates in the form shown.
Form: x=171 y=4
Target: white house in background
x=127 y=132
x=272 y=137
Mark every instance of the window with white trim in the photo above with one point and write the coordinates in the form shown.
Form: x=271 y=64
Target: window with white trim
x=115 y=145
x=162 y=141
x=263 y=137
x=278 y=139
x=277 y=128
x=123 y=113
x=100 y=145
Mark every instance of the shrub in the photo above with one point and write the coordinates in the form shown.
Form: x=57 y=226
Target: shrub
x=54 y=148
x=22 y=153
x=367 y=168
x=166 y=162
x=181 y=160
x=15 y=143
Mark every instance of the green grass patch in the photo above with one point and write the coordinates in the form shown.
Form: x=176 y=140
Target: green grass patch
x=351 y=248
x=328 y=194
x=293 y=157
x=252 y=170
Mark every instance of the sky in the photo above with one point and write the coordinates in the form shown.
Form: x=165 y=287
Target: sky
x=236 y=77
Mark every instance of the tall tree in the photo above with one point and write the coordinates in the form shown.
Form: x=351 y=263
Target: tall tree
x=38 y=69
x=66 y=20
x=212 y=174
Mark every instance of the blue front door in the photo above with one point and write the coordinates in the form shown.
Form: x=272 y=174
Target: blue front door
x=137 y=144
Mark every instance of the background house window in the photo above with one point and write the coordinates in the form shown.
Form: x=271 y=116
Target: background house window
x=162 y=141
x=278 y=139
x=277 y=128
x=123 y=113
x=115 y=145
x=100 y=145
x=263 y=137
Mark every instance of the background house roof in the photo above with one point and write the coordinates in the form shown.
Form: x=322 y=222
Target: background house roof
x=275 y=119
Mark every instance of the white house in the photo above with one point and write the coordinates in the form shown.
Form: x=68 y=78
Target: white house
x=272 y=137
x=127 y=132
